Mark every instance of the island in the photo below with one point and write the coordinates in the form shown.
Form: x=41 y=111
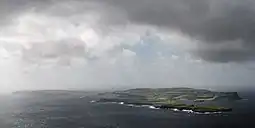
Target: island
x=189 y=99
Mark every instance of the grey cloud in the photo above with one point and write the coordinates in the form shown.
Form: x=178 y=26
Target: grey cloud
x=9 y=9
x=226 y=55
x=12 y=8
x=63 y=50
x=210 y=21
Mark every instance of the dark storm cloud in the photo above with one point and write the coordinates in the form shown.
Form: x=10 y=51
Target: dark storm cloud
x=10 y=9
x=226 y=55
x=212 y=22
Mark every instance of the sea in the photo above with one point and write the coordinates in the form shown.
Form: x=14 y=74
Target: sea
x=33 y=111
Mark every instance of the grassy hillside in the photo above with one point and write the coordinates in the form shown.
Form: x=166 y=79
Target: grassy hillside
x=180 y=98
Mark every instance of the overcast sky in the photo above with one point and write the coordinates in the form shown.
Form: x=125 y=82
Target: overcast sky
x=87 y=44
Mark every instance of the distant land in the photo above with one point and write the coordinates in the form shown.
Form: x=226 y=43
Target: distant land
x=190 y=99
x=197 y=100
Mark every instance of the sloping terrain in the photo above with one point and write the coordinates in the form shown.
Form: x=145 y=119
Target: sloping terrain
x=180 y=98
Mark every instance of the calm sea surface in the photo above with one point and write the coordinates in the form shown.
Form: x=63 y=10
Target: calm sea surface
x=75 y=112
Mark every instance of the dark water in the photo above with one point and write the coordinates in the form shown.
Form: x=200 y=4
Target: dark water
x=75 y=112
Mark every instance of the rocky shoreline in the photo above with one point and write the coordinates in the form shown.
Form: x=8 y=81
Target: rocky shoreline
x=180 y=107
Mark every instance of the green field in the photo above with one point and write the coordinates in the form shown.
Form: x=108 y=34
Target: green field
x=179 y=98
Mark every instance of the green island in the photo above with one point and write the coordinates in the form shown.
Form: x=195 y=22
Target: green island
x=197 y=100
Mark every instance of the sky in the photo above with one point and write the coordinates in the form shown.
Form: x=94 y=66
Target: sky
x=100 y=44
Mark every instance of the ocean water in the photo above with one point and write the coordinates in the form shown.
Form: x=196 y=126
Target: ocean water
x=79 y=112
